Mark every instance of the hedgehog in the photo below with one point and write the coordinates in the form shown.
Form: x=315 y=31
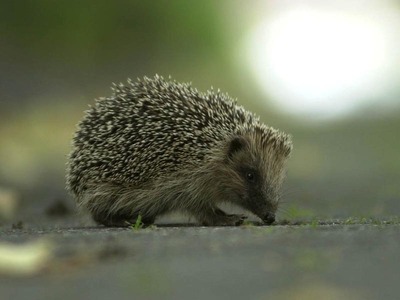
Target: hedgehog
x=157 y=146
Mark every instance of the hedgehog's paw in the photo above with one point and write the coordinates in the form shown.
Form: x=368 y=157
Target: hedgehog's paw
x=235 y=220
x=222 y=219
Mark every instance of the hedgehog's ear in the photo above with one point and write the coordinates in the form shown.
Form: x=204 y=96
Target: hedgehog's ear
x=235 y=145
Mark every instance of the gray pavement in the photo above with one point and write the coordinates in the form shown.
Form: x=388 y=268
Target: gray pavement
x=359 y=261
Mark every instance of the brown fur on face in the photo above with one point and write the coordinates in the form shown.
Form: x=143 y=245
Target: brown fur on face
x=254 y=172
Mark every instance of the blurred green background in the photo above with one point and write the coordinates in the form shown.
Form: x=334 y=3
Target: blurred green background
x=56 y=57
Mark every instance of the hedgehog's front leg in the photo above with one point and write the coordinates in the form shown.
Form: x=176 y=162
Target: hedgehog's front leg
x=217 y=217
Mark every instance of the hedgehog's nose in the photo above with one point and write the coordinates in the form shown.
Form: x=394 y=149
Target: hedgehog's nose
x=269 y=218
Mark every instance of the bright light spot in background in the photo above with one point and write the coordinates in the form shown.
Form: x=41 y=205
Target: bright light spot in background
x=326 y=63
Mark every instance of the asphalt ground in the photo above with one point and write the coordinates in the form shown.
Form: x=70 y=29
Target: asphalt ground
x=347 y=259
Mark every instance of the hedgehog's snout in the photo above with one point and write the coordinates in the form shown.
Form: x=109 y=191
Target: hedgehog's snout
x=269 y=218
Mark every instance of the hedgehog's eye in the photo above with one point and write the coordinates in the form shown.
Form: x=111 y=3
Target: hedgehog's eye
x=250 y=176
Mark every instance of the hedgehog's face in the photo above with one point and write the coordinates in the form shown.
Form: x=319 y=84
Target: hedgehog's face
x=260 y=172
